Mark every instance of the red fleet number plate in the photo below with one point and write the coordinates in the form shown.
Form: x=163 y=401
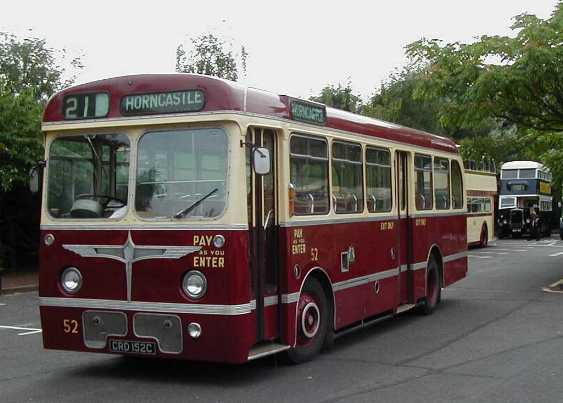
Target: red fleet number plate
x=132 y=346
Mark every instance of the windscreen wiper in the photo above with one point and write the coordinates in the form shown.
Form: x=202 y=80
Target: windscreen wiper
x=187 y=210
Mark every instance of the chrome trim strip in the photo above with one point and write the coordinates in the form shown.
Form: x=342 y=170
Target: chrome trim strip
x=271 y=300
x=357 y=281
x=455 y=256
x=84 y=226
x=142 y=306
x=290 y=298
x=418 y=266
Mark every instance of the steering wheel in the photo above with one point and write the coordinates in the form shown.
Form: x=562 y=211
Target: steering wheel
x=106 y=197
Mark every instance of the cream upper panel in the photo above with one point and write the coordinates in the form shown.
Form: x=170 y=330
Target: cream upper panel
x=481 y=181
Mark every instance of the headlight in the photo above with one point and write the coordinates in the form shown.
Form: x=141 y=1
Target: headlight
x=194 y=284
x=71 y=280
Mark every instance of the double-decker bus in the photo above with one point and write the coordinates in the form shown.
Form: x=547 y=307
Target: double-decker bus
x=187 y=216
x=481 y=187
x=525 y=188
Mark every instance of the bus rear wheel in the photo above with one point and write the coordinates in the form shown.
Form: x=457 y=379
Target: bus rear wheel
x=433 y=289
x=312 y=322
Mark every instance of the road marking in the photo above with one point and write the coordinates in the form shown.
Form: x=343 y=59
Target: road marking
x=480 y=257
x=28 y=330
x=494 y=253
x=1 y=304
x=556 y=254
x=28 y=333
x=511 y=250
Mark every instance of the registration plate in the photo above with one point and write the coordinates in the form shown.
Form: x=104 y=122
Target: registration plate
x=132 y=346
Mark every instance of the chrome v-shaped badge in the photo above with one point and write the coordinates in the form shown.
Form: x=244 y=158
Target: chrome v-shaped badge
x=129 y=253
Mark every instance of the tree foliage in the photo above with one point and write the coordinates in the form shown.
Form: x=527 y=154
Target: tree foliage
x=339 y=96
x=211 y=56
x=515 y=79
x=395 y=102
x=29 y=65
x=29 y=74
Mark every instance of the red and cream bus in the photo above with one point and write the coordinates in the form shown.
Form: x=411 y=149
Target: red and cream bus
x=190 y=217
x=481 y=186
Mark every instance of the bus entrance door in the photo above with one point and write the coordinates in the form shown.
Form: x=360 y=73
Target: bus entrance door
x=263 y=224
x=404 y=233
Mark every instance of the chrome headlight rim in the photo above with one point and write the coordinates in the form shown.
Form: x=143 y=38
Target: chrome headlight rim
x=78 y=280
x=190 y=275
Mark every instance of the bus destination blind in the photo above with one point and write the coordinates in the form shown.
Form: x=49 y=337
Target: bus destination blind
x=163 y=102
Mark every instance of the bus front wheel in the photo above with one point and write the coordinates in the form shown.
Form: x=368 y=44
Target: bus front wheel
x=312 y=322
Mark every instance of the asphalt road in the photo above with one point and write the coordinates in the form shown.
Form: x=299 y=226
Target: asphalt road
x=496 y=337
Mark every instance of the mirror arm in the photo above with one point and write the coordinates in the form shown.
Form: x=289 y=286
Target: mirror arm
x=253 y=147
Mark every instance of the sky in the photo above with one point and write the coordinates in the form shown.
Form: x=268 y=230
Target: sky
x=295 y=47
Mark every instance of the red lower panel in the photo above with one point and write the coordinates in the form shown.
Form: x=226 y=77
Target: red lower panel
x=419 y=282
x=381 y=297
x=223 y=338
x=350 y=305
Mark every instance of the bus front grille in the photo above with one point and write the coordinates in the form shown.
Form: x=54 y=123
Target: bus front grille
x=165 y=329
x=99 y=325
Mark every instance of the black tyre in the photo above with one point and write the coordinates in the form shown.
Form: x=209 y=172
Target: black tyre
x=312 y=322
x=433 y=288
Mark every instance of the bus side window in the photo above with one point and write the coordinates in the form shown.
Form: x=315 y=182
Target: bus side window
x=442 y=183
x=378 y=180
x=309 y=174
x=423 y=190
x=347 y=177
x=457 y=186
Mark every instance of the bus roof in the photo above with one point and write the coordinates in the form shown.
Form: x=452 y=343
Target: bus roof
x=523 y=165
x=223 y=95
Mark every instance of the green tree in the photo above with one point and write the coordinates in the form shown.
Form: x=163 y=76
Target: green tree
x=213 y=56
x=29 y=74
x=514 y=79
x=339 y=96
x=395 y=102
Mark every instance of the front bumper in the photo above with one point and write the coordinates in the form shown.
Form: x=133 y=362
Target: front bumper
x=223 y=339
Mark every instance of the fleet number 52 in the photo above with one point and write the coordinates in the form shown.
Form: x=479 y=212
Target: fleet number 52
x=70 y=326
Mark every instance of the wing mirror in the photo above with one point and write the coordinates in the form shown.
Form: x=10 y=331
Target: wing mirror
x=35 y=175
x=261 y=160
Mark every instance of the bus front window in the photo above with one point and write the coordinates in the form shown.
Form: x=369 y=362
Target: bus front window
x=182 y=174
x=88 y=176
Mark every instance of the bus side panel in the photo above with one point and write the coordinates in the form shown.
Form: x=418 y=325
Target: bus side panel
x=449 y=234
x=322 y=246
x=403 y=260
x=382 y=258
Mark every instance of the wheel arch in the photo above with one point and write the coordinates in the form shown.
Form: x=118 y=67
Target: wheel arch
x=323 y=278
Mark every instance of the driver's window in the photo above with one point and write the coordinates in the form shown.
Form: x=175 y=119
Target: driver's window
x=88 y=176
